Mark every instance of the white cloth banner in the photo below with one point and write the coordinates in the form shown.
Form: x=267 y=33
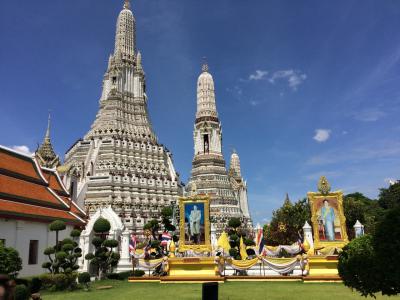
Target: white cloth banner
x=282 y=268
x=291 y=249
x=149 y=264
x=135 y=255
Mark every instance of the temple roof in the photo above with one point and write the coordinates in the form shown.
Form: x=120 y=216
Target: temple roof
x=28 y=191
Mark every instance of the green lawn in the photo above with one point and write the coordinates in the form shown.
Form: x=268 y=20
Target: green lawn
x=123 y=290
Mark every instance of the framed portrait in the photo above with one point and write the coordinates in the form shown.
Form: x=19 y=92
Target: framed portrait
x=194 y=224
x=327 y=217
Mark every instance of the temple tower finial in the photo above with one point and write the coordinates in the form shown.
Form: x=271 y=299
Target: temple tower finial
x=127 y=4
x=204 y=66
x=47 y=136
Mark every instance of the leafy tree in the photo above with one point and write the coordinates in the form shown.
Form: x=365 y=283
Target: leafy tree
x=358 y=207
x=10 y=262
x=153 y=226
x=390 y=197
x=64 y=255
x=166 y=215
x=57 y=225
x=287 y=222
x=104 y=258
x=235 y=232
x=387 y=245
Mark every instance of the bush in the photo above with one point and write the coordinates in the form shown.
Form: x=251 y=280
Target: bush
x=110 y=243
x=47 y=280
x=59 y=282
x=75 y=233
x=36 y=285
x=387 y=244
x=10 y=262
x=155 y=243
x=21 y=292
x=57 y=225
x=138 y=273
x=233 y=252
x=84 y=278
x=357 y=266
x=101 y=226
x=249 y=242
x=234 y=222
x=114 y=276
x=23 y=281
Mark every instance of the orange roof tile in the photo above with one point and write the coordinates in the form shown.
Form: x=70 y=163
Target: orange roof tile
x=28 y=191
x=19 y=164
x=24 y=190
x=14 y=209
x=54 y=183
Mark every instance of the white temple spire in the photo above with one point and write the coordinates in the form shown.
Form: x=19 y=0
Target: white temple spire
x=234 y=165
x=205 y=94
x=125 y=34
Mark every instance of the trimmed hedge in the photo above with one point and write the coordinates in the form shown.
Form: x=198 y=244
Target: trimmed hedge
x=21 y=292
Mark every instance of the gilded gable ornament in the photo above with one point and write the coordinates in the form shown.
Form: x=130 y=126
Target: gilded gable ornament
x=323 y=186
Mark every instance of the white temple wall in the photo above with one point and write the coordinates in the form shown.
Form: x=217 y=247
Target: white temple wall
x=18 y=234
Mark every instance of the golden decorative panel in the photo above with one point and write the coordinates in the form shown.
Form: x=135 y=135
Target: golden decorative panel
x=328 y=220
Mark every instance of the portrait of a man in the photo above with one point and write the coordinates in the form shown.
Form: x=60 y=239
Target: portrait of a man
x=194 y=219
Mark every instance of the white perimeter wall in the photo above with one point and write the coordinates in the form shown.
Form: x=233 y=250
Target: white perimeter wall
x=18 y=235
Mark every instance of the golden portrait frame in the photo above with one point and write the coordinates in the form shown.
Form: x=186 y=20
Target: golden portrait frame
x=206 y=246
x=313 y=199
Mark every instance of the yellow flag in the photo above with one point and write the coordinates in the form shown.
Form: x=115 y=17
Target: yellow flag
x=223 y=242
x=243 y=252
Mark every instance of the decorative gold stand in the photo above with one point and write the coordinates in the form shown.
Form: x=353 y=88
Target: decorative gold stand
x=323 y=268
x=192 y=269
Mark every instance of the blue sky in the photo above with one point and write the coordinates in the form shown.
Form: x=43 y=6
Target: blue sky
x=303 y=88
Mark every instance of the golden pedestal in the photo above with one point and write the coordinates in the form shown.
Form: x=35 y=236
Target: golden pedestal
x=323 y=268
x=192 y=269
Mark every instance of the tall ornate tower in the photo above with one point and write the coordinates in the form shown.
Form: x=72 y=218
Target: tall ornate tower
x=209 y=174
x=45 y=154
x=239 y=186
x=119 y=162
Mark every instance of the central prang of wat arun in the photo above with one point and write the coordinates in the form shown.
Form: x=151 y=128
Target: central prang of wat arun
x=120 y=166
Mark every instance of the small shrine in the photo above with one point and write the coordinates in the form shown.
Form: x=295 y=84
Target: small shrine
x=196 y=254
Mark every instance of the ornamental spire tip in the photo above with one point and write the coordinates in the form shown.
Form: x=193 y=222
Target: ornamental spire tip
x=127 y=4
x=47 y=136
x=204 y=67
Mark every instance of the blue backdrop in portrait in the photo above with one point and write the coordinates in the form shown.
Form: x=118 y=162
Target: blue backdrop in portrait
x=189 y=207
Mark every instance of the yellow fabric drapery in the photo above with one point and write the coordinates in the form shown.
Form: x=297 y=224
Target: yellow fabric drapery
x=280 y=261
x=243 y=264
x=223 y=242
x=243 y=252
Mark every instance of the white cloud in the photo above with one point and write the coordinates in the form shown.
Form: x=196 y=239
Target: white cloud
x=369 y=115
x=254 y=103
x=385 y=149
x=322 y=135
x=293 y=77
x=258 y=75
x=23 y=149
